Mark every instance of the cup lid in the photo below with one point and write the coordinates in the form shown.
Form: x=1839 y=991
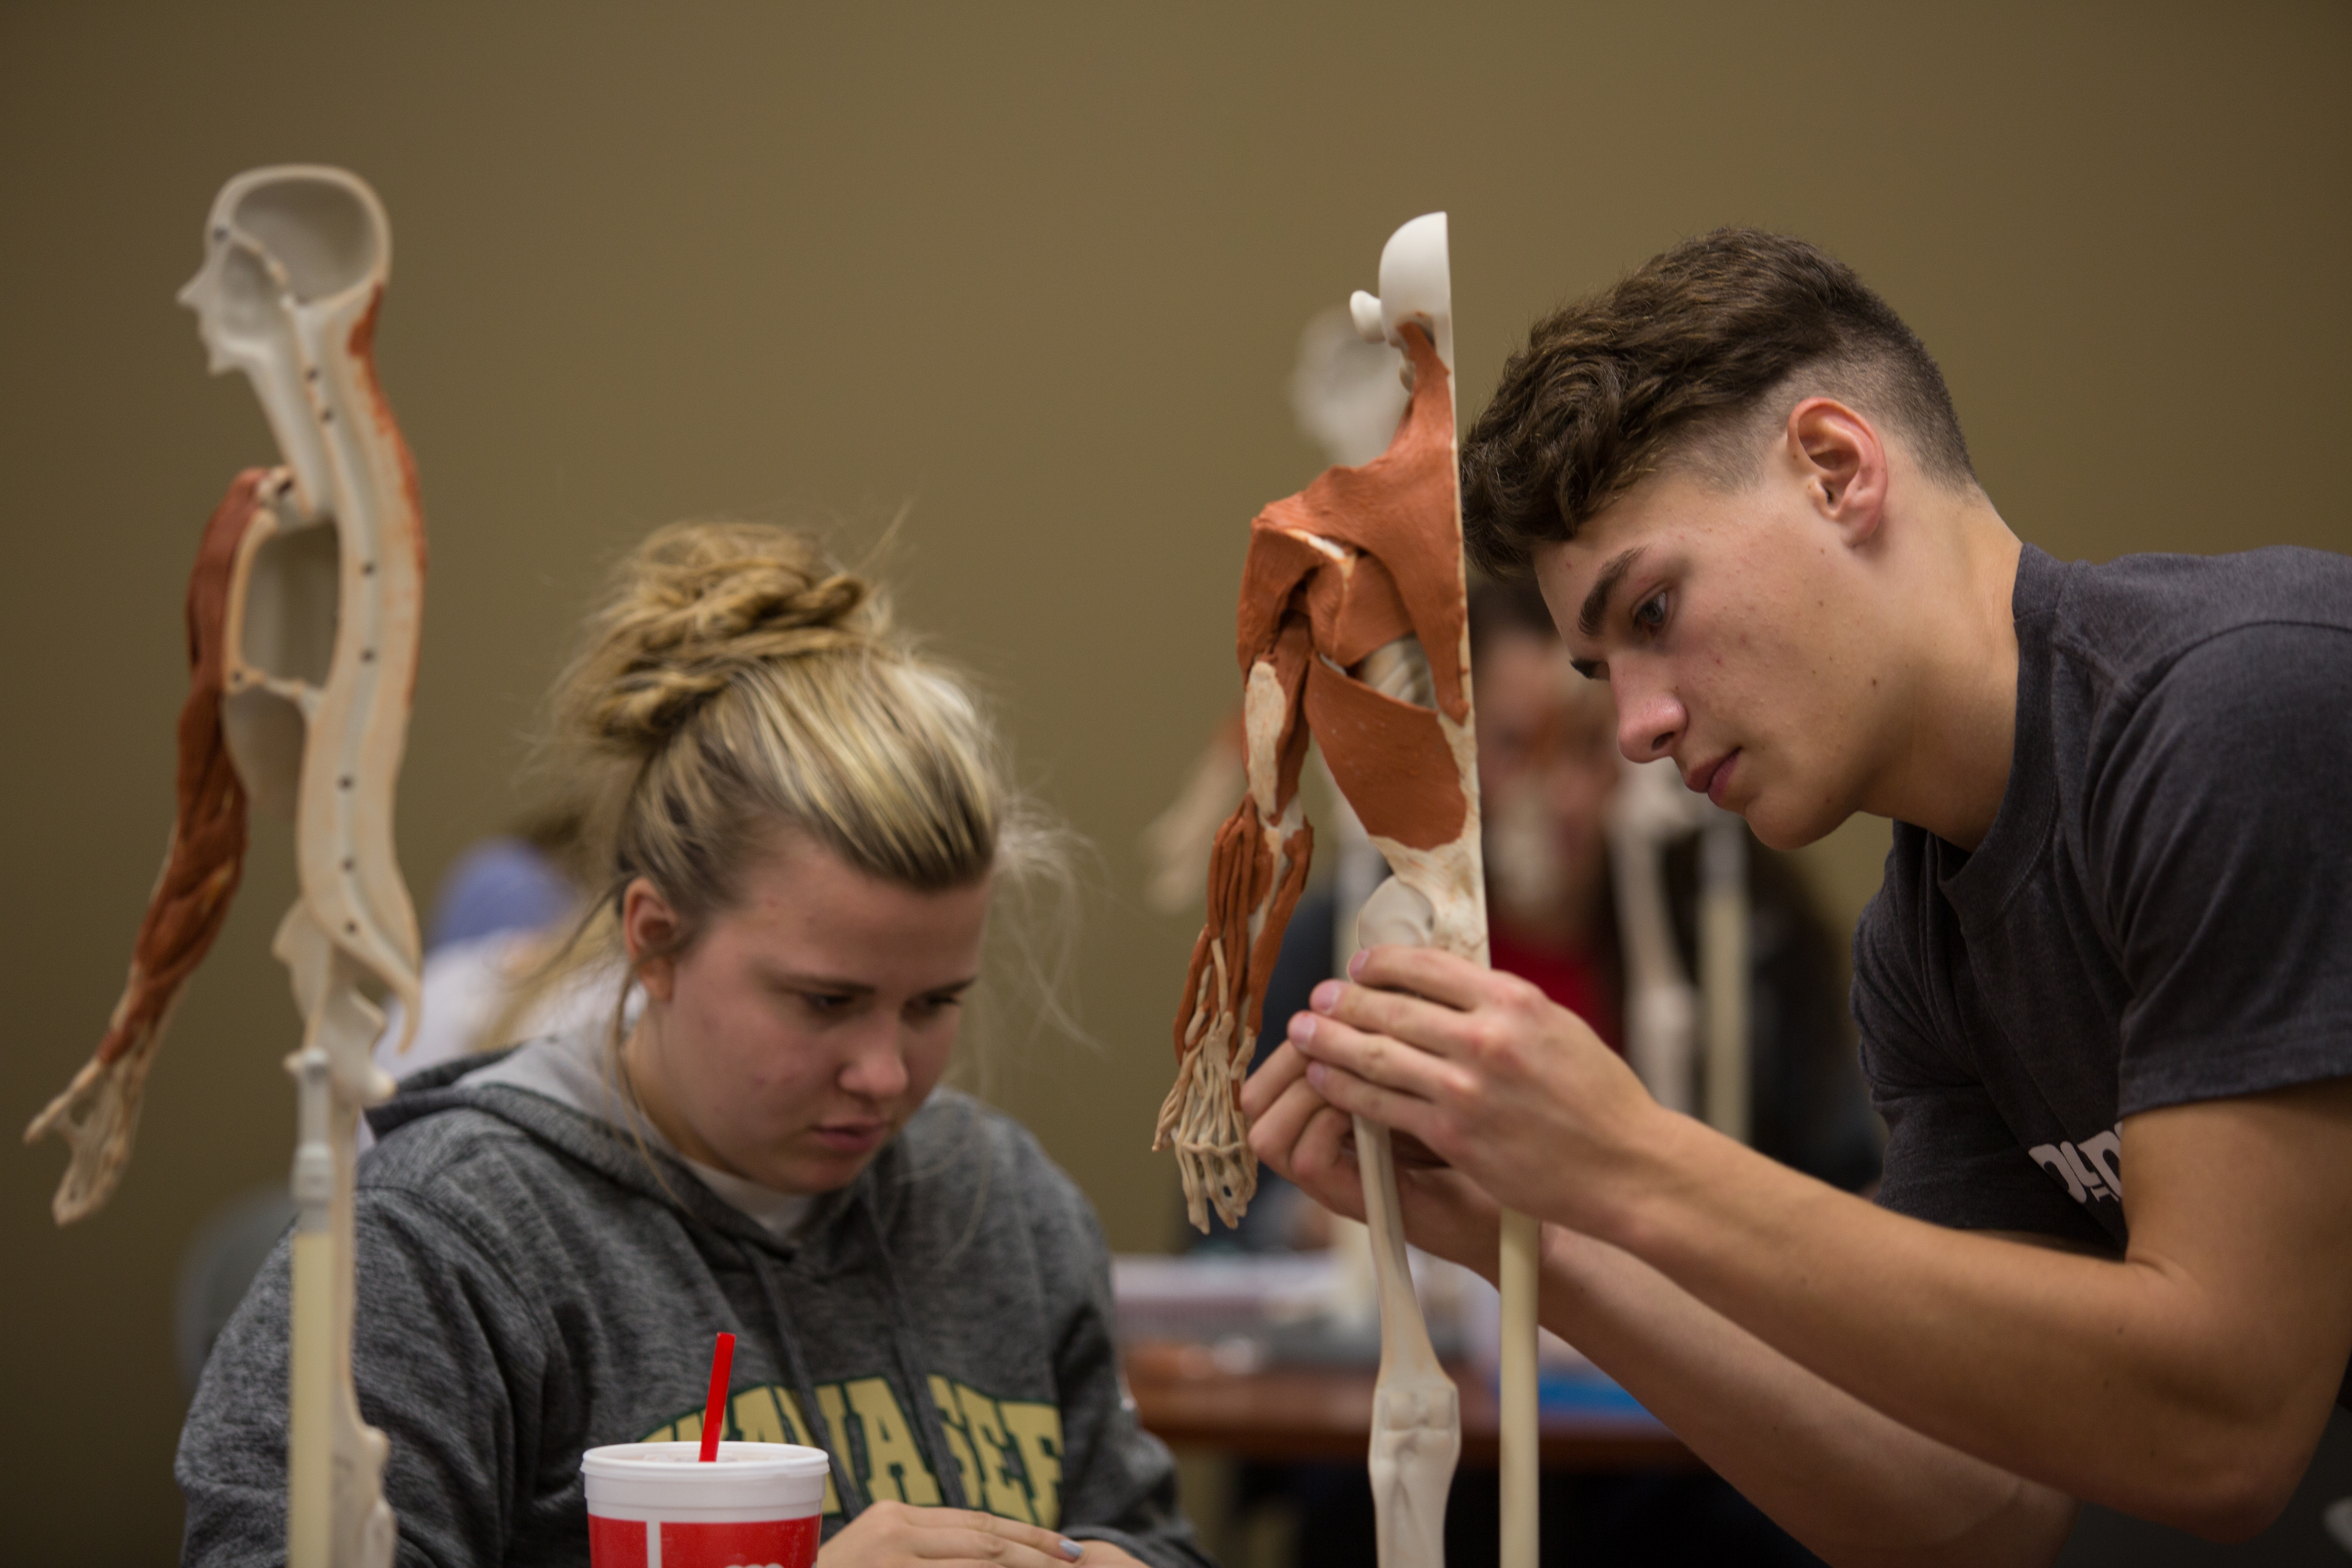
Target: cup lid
x=651 y=1474
x=737 y=1461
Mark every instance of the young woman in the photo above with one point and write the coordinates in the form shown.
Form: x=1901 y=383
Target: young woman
x=803 y=823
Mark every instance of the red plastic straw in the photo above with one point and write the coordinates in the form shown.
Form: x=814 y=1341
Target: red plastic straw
x=714 y=1409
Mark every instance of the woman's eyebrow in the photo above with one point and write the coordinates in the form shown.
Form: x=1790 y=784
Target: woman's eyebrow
x=789 y=980
x=796 y=981
x=1596 y=602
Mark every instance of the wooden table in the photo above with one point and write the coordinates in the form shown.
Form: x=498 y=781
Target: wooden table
x=1300 y=1413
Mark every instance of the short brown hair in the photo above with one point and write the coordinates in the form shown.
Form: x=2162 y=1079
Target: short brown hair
x=1664 y=365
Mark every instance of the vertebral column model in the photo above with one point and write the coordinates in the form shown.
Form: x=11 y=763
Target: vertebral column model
x=1352 y=629
x=303 y=618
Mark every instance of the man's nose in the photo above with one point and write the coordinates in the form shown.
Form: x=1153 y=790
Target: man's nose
x=1650 y=721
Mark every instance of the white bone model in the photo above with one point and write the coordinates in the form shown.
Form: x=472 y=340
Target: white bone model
x=1436 y=901
x=1352 y=622
x=303 y=619
x=323 y=624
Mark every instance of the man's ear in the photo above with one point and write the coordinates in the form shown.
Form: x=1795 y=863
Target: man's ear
x=650 y=929
x=1842 y=464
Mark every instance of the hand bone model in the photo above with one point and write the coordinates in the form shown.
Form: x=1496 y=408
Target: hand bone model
x=1352 y=628
x=303 y=616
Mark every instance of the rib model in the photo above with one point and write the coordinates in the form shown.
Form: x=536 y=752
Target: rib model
x=1353 y=627
x=303 y=619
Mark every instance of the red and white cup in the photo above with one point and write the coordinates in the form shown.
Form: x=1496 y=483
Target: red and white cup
x=655 y=1505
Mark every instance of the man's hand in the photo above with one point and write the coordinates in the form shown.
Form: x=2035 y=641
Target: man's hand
x=1511 y=1090
x=893 y=1534
x=1853 y=1486
x=1296 y=1131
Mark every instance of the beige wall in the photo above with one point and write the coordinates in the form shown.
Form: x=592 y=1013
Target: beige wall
x=1038 y=272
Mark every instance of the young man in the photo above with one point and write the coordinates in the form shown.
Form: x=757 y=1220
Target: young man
x=2115 y=936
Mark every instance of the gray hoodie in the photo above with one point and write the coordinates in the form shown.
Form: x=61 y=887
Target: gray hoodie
x=531 y=1284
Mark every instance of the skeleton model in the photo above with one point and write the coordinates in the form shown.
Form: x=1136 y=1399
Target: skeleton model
x=1353 y=626
x=302 y=628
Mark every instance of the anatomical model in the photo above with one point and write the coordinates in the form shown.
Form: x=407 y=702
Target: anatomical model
x=1348 y=397
x=302 y=624
x=1353 y=626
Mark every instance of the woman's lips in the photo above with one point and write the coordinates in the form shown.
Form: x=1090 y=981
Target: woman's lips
x=851 y=1137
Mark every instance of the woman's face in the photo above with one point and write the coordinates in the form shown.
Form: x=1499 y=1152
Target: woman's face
x=808 y=1022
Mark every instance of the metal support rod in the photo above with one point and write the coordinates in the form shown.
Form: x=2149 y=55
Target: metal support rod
x=310 y=1371
x=1521 y=1477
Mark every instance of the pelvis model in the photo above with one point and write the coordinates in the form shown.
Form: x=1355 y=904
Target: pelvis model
x=1353 y=629
x=302 y=635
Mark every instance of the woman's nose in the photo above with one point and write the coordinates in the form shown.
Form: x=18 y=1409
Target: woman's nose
x=878 y=1070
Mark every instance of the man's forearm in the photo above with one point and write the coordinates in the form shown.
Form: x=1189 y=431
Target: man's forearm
x=2118 y=1380
x=1855 y=1487
x=2187 y=1383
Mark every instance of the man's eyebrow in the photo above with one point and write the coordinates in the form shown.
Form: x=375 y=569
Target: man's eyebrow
x=1596 y=602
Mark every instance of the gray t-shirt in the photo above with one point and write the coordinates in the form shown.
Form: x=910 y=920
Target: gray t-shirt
x=2162 y=911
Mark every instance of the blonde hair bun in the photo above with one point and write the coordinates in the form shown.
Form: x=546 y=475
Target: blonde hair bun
x=733 y=683
x=699 y=604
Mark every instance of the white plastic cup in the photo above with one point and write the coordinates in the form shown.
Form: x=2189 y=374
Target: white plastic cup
x=655 y=1505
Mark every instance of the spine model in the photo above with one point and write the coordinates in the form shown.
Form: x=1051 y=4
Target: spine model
x=303 y=618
